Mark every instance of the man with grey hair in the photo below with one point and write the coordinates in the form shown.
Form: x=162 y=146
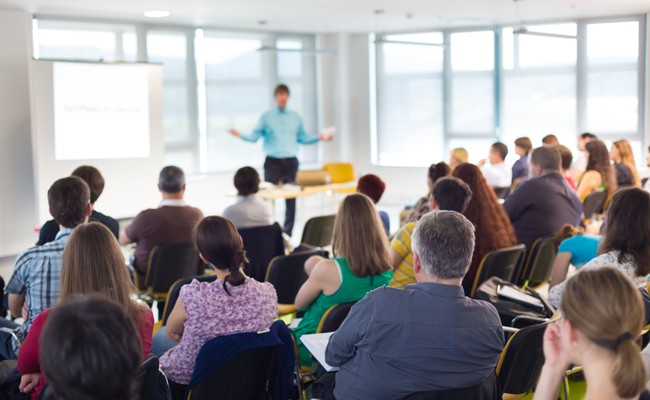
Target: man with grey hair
x=172 y=222
x=426 y=337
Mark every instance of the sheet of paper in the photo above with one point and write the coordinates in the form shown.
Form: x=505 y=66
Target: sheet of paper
x=294 y=323
x=316 y=344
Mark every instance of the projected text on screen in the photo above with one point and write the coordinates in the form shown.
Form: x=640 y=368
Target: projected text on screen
x=101 y=111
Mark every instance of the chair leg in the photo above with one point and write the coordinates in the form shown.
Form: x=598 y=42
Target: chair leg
x=565 y=387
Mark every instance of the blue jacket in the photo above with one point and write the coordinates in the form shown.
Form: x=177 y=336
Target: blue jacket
x=217 y=351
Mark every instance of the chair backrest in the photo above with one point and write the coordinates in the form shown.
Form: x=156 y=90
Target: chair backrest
x=340 y=172
x=539 y=263
x=167 y=264
x=521 y=360
x=175 y=290
x=594 y=203
x=287 y=274
x=334 y=317
x=318 y=231
x=502 y=263
x=502 y=192
x=488 y=389
x=241 y=377
x=262 y=244
x=147 y=378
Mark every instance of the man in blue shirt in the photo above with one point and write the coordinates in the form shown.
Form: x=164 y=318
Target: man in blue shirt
x=282 y=130
x=34 y=284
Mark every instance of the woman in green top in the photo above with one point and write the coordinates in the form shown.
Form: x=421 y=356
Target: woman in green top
x=361 y=264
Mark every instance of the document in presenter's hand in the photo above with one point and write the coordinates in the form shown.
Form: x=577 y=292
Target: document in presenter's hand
x=316 y=344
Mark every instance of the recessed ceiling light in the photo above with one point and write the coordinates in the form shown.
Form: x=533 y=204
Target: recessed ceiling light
x=156 y=14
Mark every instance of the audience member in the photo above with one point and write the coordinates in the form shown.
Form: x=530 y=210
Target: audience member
x=624 y=164
x=626 y=241
x=423 y=206
x=566 y=158
x=646 y=186
x=249 y=211
x=580 y=163
x=373 y=187
x=95 y=181
x=497 y=173
x=543 y=204
x=493 y=228
x=171 y=223
x=523 y=146
x=89 y=245
x=574 y=247
x=448 y=193
x=426 y=337
x=90 y=350
x=34 y=284
x=600 y=174
x=550 y=140
x=234 y=303
x=361 y=264
x=602 y=318
x=457 y=157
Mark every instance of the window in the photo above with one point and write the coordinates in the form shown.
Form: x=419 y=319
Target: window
x=472 y=83
x=410 y=99
x=612 y=83
x=539 y=84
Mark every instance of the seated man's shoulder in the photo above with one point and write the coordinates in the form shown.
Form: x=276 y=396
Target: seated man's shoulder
x=486 y=309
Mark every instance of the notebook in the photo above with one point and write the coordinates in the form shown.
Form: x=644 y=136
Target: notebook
x=518 y=296
x=316 y=344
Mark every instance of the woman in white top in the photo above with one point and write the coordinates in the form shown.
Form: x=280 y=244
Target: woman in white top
x=249 y=211
x=626 y=242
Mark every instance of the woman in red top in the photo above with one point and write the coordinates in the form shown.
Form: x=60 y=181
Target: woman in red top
x=92 y=264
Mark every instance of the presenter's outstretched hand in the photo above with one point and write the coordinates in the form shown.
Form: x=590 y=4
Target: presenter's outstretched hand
x=325 y=137
x=235 y=132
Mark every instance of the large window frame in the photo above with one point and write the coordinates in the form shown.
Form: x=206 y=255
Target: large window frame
x=494 y=132
x=195 y=141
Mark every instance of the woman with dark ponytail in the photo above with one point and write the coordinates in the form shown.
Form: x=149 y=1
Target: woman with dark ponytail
x=234 y=303
x=602 y=320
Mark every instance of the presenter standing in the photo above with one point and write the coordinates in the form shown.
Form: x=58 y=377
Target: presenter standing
x=282 y=130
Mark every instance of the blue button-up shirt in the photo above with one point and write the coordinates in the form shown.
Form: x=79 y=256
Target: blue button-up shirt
x=282 y=131
x=425 y=337
x=36 y=275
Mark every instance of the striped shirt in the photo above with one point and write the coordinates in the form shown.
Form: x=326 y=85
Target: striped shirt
x=36 y=275
x=403 y=274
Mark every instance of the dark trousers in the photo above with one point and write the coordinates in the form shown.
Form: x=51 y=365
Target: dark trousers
x=283 y=170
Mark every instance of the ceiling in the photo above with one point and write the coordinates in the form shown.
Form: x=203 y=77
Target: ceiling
x=324 y=16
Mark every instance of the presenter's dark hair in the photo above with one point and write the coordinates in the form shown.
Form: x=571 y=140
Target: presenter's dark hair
x=221 y=245
x=501 y=148
x=281 y=88
x=171 y=179
x=588 y=136
x=90 y=349
x=247 y=181
x=93 y=178
x=452 y=194
x=68 y=199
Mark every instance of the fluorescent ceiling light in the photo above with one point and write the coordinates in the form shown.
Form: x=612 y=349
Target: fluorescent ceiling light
x=156 y=14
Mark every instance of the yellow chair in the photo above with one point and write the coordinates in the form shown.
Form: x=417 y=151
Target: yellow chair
x=340 y=172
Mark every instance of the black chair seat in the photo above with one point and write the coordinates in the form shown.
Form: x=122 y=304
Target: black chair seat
x=262 y=244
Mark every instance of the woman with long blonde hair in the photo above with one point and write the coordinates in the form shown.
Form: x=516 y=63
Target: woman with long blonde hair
x=457 y=157
x=624 y=164
x=361 y=264
x=92 y=263
x=602 y=319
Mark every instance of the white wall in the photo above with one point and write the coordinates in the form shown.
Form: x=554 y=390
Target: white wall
x=17 y=189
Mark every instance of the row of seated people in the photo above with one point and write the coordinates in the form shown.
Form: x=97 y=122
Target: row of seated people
x=389 y=345
x=77 y=190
